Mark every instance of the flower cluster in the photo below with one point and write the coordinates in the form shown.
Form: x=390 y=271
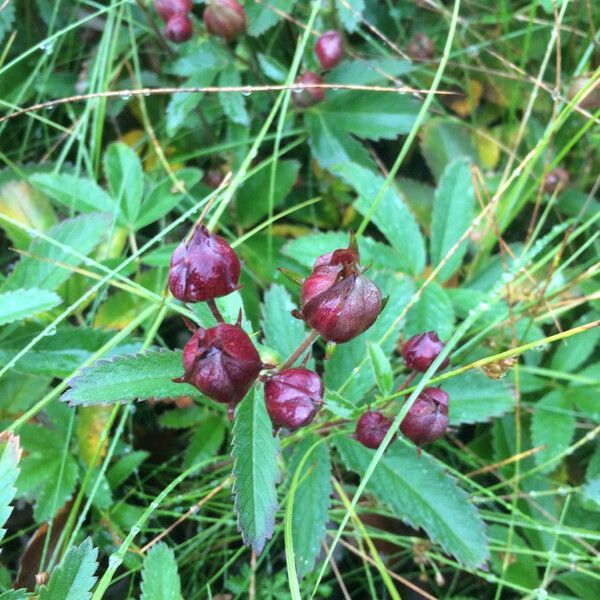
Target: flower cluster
x=337 y=301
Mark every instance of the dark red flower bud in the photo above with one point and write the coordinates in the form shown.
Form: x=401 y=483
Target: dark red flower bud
x=304 y=97
x=167 y=8
x=556 y=180
x=420 y=47
x=204 y=268
x=421 y=350
x=213 y=178
x=337 y=299
x=371 y=429
x=427 y=418
x=178 y=29
x=221 y=362
x=329 y=49
x=225 y=18
x=293 y=397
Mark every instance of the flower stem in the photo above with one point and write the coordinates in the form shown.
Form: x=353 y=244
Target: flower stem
x=310 y=339
x=214 y=309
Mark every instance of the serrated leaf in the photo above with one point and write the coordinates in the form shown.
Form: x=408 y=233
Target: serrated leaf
x=24 y=303
x=369 y=115
x=282 y=332
x=392 y=216
x=339 y=369
x=206 y=441
x=233 y=103
x=58 y=355
x=160 y=579
x=74 y=577
x=125 y=176
x=75 y=193
x=134 y=376
x=10 y=454
x=350 y=12
x=419 y=492
x=369 y=71
x=124 y=467
x=82 y=234
x=182 y=104
x=475 y=398
x=262 y=17
x=14 y=595
x=311 y=502
x=432 y=312
x=254 y=452
x=552 y=426
x=163 y=197
x=571 y=353
x=453 y=210
x=331 y=144
x=382 y=368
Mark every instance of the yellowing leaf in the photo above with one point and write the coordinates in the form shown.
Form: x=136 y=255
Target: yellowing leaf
x=488 y=149
x=91 y=424
x=463 y=104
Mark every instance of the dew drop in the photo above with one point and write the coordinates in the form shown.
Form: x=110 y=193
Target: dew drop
x=114 y=561
x=50 y=331
x=540 y=594
x=125 y=96
x=246 y=91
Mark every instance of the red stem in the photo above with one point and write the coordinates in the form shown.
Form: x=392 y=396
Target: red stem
x=214 y=309
x=310 y=339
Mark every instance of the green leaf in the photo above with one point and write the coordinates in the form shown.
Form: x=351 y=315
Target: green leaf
x=522 y=570
x=14 y=594
x=134 y=376
x=339 y=369
x=574 y=351
x=442 y=142
x=590 y=494
x=20 y=304
x=475 y=398
x=74 y=577
x=125 y=176
x=432 y=312
x=160 y=579
x=81 y=235
x=369 y=71
x=392 y=216
x=350 y=12
x=182 y=418
x=552 y=426
x=331 y=144
x=75 y=193
x=60 y=353
x=306 y=248
x=163 y=197
x=374 y=116
x=282 y=332
x=124 y=467
x=48 y=476
x=453 y=210
x=311 y=502
x=233 y=103
x=382 y=368
x=419 y=492
x=7 y=19
x=206 y=441
x=262 y=17
x=252 y=199
x=10 y=454
x=254 y=451
x=183 y=103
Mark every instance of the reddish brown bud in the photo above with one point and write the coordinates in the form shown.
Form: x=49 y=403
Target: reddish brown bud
x=329 y=49
x=304 y=97
x=371 y=429
x=337 y=300
x=420 y=47
x=178 y=29
x=213 y=178
x=225 y=18
x=556 y=180
x=221 y=362
x=167 y=8
x=204 y=268
x=293 y=397
x=427 y=418
x=421 y=350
